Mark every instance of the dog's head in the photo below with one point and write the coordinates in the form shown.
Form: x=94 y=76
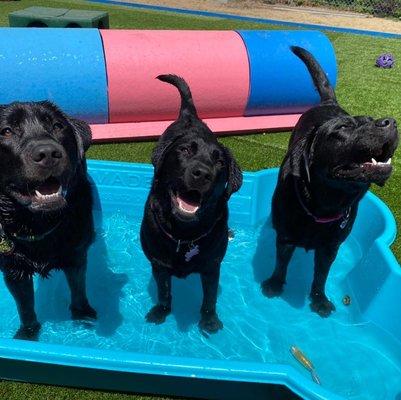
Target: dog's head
x=41 y=152
x=351 y=150
x=340 y=148
x=193 y=171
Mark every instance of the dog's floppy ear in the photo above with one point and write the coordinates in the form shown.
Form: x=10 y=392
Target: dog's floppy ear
x=166 y=141
x=83 y=135
x=234 y=180
x=158 y=154
x=301 y=153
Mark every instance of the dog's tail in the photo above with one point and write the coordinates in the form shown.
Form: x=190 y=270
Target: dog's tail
x=319 y=77
x=187 y=104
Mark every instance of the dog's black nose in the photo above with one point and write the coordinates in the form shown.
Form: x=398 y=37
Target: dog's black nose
x=386 y=122
x=201 y=173
x=47 y=154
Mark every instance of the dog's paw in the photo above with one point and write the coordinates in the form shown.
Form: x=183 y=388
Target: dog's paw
x=210 y=323
x=85 y=313
x=158 y=314
x=322 y=305
x=272 y=287
x=28 y=332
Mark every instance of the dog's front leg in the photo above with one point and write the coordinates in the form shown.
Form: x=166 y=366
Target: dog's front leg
x=23 y=293
x=324 y=257
x=159 y=312
x=210 y=321
x=273 y=286
x=80 y=307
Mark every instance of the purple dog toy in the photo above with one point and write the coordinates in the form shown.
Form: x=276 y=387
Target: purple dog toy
x=385 y=61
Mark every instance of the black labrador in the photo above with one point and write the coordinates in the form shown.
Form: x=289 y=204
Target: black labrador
x=184 y=229
x=45 y=205
x=331 y=161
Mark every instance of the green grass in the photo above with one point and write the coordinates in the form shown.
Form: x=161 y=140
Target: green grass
x=29 y=391
x=361 y=89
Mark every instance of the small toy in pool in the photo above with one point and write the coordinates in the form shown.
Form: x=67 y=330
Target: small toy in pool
x=347 y=300
x=301 y=358
x=385 y=61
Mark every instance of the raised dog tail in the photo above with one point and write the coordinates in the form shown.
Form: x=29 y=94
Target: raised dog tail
x=187 y=104
x=319 y=77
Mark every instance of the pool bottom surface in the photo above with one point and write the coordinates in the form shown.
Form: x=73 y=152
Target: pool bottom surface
x=353 y=358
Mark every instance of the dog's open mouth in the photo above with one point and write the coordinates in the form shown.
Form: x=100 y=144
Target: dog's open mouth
x=44 y=196
x=187 y=203
x=376 y=170
x=49 y=190
x=377 y=165
x=373 y=165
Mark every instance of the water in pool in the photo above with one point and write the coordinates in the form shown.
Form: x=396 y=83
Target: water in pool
x=352 y=357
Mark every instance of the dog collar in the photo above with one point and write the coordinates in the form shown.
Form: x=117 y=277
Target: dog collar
x=323 y=220
x=7 y=246
x=193 y=249
x=35 y=238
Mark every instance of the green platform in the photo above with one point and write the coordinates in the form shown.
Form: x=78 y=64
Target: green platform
x=58 y=18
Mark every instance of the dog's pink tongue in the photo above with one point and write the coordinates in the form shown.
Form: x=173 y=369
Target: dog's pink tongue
x=186 y=205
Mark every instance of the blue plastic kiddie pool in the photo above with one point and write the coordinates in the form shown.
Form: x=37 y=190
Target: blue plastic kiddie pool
x=356 y=351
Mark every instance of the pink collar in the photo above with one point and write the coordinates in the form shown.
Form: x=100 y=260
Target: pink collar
x=323 y=220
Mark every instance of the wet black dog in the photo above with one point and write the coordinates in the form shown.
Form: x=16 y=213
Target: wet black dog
x=332 y=159
x=45 y=205
x=184 y=229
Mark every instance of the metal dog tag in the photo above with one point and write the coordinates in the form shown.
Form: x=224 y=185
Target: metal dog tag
x=6 y=245
x=345 y=220
x=193 y=251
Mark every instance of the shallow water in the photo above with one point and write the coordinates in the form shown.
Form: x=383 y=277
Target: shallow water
x=352 y=357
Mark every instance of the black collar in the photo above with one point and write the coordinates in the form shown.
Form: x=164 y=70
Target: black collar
x=35 y=238
x=181 y=241
x=7 y=245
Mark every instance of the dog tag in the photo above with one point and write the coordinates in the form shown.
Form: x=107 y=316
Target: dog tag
x=6 y=245
x=193 y=251
x=345 y=220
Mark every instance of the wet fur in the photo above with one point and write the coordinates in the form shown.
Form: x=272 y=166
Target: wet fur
x=172 y=169
x=325 y=140
x=66 y=246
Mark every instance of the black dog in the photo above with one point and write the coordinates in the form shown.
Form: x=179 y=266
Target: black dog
x=45 y=205
x=332 y=159
x=184 y=229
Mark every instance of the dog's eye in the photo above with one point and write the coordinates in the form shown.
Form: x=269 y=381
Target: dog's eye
x=7 y=132
x=220 y=163
x=57 y=126
x=185 y=151
x=339 y=135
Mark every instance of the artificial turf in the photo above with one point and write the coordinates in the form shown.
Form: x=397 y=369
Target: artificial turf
x=362 y=89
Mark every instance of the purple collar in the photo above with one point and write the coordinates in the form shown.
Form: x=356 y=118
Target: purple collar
x=323 y=220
